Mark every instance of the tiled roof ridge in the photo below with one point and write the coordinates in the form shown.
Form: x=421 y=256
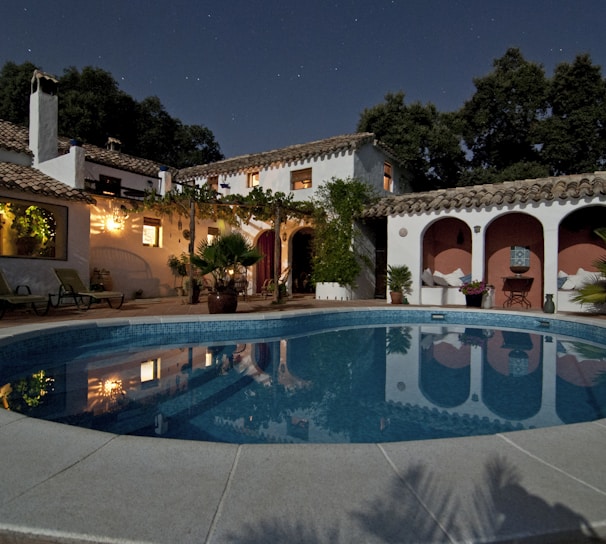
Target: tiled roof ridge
x=492 y=194
x=17 y=177
x=14 y=137
x=291 y=153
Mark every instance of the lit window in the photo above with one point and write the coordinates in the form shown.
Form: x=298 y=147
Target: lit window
x=252 y=179
x=300 y=179
x=150 y=373
x=213 y=182
x=33 y=230
x=387 y=177
x=213 y=232
x=151 y=231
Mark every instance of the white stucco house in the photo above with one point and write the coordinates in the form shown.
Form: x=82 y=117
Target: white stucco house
x=300 y=170
x=481 y=232
x=89 y=192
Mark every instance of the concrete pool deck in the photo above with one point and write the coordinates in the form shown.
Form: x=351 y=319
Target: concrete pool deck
x=66 y=484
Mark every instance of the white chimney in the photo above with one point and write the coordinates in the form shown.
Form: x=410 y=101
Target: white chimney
x=43 y=117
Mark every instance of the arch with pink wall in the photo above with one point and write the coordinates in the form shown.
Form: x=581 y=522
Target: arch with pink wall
x=447 y=246
x=578 y=245
x=514 y=229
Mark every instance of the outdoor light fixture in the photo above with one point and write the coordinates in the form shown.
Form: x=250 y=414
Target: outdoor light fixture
x=115 y=220
x=477 y=228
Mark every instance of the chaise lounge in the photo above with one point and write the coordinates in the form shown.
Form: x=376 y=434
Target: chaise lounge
x=9 y=298
x=73 y=289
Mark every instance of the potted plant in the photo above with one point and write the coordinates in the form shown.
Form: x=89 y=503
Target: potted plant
x=399 y=281
x=474 y=291
x=178 y=266
x=223 y=257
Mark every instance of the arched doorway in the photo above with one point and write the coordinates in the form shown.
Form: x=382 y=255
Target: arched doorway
x=302 y=247
x=265 y=267
x=514 y=230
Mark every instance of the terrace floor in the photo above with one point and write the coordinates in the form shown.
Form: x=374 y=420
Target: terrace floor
x=65 y=484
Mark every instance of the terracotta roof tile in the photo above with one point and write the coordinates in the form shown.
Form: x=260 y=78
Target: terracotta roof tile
x=276 y=157
x=495 y=194
x=29 y=180
x=116 y=159
x=14 y=137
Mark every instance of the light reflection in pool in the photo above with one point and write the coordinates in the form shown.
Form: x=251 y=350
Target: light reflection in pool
x=375 y=384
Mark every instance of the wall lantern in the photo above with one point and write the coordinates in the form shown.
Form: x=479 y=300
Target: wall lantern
x=477 y=228
x=115 y=220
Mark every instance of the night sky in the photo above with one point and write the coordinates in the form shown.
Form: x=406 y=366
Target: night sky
x=267 y=74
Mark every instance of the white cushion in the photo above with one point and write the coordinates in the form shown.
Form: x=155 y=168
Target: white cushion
x=440 y=279
x=454 y=278
x=427 y=277
x=576 y=281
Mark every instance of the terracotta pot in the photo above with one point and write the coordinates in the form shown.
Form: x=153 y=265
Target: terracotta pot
x=396 y=297
x=224 y=302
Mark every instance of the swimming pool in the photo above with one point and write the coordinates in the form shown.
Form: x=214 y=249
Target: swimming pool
x=408 y=375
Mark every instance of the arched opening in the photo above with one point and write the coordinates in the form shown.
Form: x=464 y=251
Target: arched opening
x=578 y=245
x=504 y=233
x=302 y=244
x=447 y=246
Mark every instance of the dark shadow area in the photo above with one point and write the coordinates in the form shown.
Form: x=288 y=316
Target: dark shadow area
x=414 y=509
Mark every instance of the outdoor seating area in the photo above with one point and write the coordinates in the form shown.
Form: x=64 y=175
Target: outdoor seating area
x=72 y=288
x=21 y=296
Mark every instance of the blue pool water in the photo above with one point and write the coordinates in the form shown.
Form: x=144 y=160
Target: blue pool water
x=350 y=376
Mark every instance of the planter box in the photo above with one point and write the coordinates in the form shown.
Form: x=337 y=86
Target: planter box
x=333 y=291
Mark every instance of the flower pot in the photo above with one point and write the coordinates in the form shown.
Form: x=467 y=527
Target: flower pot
x=223 y=302
x=473 y=301
x=333 y=291
x=396 y=297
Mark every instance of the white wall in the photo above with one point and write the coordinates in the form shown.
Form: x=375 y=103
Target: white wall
x=132 y=265
x=405 y=236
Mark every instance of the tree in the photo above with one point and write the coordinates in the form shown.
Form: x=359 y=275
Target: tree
x=15 y=82
x=574 y=136
x=425 y=141
x=156 y=128
x=196 y=144
x=92 y=108
x=501 y=119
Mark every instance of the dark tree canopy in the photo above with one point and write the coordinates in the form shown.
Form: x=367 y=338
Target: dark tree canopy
x=574 y=135
x=425 y=141
x=92 y=108
x=15 y=81
x=499 y=120
x=518 y=124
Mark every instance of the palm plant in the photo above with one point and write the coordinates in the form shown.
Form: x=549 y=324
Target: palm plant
x=594 y=293
x=226 y=253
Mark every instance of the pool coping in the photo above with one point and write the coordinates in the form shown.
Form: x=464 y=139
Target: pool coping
x=66 y=484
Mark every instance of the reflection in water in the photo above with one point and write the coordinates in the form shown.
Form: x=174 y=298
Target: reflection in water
x=375 y=384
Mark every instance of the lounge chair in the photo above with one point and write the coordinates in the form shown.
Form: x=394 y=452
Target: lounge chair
x=22 y=295
x=73 y=288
